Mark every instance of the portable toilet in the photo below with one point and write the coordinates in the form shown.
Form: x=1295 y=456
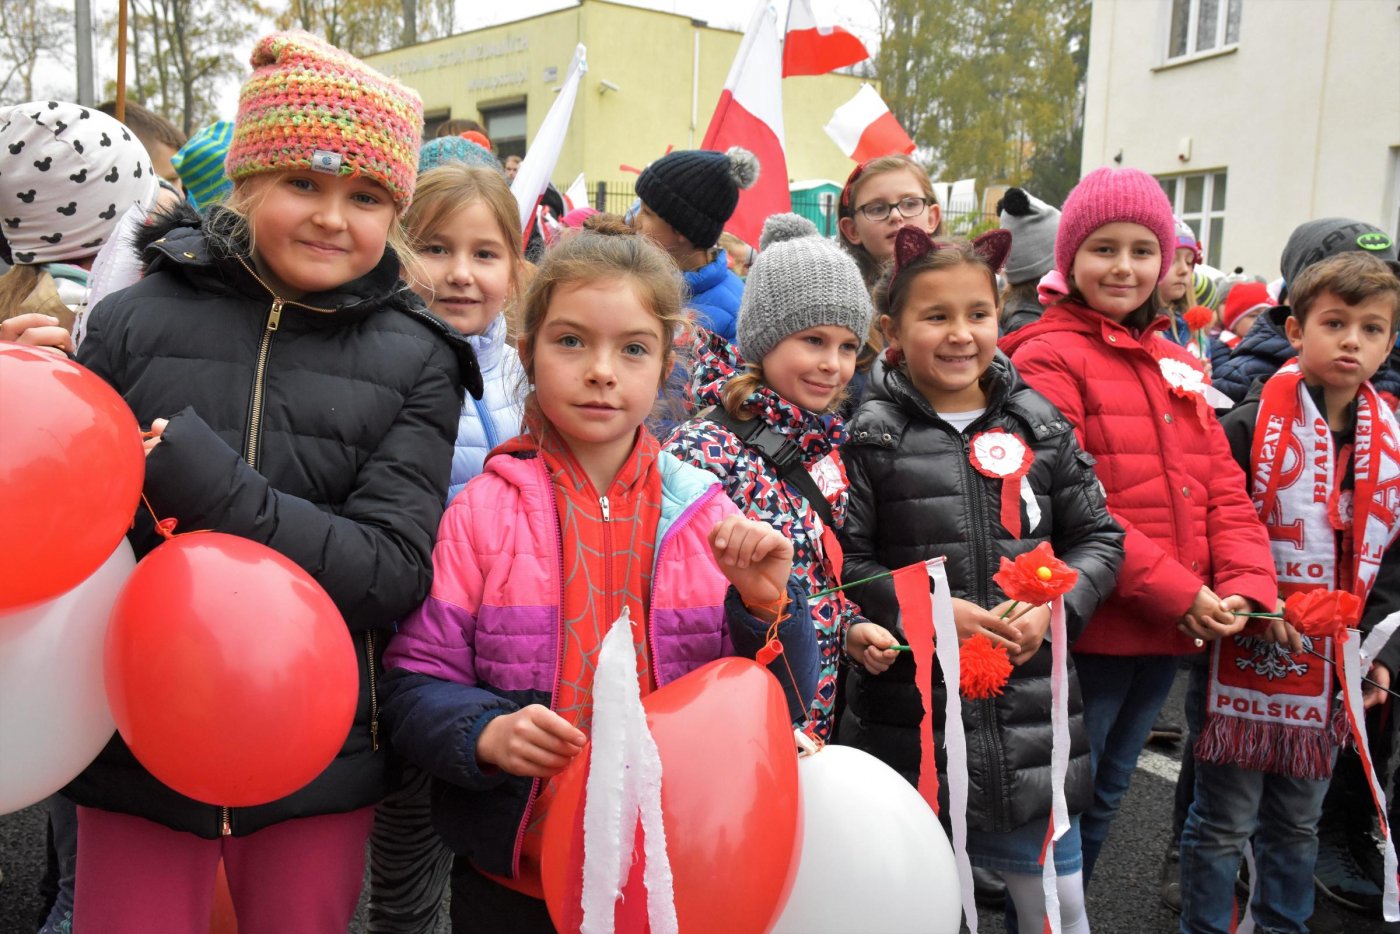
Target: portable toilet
x=816 y=200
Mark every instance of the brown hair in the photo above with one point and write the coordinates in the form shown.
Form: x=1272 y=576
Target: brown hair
x=16 y=285
x=1353 y=277
x=871 y=269
x=892 y=292
x=447 y=189
x=606 y=250
x=149 y=127
x=457 y=127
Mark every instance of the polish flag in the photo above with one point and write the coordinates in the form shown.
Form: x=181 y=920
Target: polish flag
x=815 y=45
x=750 y=114
x=863 y=127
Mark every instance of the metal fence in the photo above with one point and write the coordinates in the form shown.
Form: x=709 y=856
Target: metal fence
x=617 y=197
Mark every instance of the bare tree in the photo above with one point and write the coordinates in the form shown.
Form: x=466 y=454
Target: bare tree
x=363 y=27
x=28 y=30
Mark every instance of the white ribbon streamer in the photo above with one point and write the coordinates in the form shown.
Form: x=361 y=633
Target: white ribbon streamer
x=954 y=739
x=1032 y=507
x=1351 y=671
x=1380 y=634
x=1059 y=756
x=624 y=786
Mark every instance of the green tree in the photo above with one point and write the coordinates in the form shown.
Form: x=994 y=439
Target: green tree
x=990 y=89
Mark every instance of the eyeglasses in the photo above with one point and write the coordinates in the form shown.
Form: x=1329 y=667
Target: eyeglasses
x=907 y=207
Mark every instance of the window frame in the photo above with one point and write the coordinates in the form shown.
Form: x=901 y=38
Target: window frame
x=1193 y=17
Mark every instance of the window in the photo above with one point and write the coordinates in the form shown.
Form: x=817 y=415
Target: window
x=1199 y=26
x=1199 y=200
x=506 y=128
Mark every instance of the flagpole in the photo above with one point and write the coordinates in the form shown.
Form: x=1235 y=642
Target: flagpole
x=121 y=62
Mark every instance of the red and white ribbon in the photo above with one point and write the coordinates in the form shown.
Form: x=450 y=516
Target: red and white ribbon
x=1356 y=717
x=1003 y=456
x=1059 y=760
x=1186 y=381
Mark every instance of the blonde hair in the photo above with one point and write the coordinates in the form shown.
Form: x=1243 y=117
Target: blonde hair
x=748 y=381
x=606 y=250
x=870 y=268
x=447 y=189
x=16 y=286
x=247 y=198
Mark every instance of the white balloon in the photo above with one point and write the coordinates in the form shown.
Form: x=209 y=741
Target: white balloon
x=54 y=718
x=874 y=857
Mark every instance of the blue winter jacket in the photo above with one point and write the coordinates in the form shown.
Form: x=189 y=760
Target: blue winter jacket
x=1178 y=333
x=495 y=417
x=714 y=296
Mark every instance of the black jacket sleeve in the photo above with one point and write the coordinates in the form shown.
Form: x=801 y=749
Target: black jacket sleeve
x=1086 y=537
x=859 y=538
x=374 y=556
x=436 y=724
x=1239 y=431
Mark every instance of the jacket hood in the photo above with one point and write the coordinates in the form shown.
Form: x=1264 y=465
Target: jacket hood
x=212 y=247
x=709 y=275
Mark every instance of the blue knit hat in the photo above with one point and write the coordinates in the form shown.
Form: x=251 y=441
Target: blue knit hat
x=200 y=164
x=446 y=150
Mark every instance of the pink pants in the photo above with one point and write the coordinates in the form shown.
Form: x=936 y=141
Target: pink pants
x=138 y=877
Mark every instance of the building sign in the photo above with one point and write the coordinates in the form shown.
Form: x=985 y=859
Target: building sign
x=479 y=51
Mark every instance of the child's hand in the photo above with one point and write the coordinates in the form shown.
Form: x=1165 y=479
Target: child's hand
x=1211 y=618
x=972 y=620
x=756 y=559
x=1279 y=631
x=37 y=330
x=534 y=742
x=1031 y=626
x=152 y=437
x=1373 y=694
x=866 y=643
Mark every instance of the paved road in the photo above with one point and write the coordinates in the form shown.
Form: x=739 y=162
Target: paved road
x=1122 y=900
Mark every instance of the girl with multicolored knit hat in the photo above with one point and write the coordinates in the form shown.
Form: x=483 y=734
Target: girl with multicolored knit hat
x=1195 y=553
x=300 y=395
x=804 y=316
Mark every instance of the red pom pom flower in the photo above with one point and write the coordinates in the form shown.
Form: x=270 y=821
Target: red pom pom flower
x=1036 y=576
x=1323 y=614
x=984 y=668
x=1199 y=317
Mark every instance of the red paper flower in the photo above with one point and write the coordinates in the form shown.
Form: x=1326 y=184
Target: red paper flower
x=1199 y=317
x=983 y=668
x=1321 y=614
x=1036 y=576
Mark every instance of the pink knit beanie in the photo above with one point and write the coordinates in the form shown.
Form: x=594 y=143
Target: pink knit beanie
x=1106 y=196
x=309 y=105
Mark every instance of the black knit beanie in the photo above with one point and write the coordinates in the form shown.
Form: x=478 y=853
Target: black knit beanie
x=696 y=190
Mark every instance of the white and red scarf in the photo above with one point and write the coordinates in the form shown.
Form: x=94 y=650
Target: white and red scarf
x=1268 y=710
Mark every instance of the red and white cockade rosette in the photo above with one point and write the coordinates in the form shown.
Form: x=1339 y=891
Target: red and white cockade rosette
x=1189 y=383
x=1003 y=456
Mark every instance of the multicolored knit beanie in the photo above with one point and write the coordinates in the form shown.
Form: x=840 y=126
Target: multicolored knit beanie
x=309 y=105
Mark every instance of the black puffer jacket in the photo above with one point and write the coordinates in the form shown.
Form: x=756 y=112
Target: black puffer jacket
x=915 y=495
x=345 y=473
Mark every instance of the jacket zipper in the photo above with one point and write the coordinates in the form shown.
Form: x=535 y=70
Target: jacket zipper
x=225 y=822
x=991 y=742
x=483 y=414
x=558 y=661
x=255 y=404
x=373 y=693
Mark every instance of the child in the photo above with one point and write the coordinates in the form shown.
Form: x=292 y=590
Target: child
x=1137 y=404
x=298 y=395
x=1178 y=293
x=1269 y=790
x=465 y=228
x=490 y=680
x=1244 y=302
x=59 y=209
x=686 y=198
x=1033 y=224
x=804 y=316
x=916 y=493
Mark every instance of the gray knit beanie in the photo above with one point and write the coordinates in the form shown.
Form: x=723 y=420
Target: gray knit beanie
x=1033 y=225
x=800 y=280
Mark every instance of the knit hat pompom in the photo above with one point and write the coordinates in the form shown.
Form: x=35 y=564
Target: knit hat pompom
x=310 y=106
x=1033 y=225
x=743 y=166
x=697 y=190
x=781 y=227
x=800 y=280
x=1109 y=196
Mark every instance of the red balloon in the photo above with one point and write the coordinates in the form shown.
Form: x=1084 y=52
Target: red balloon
x=230 y=672
x=71 y=468
x=729 y=798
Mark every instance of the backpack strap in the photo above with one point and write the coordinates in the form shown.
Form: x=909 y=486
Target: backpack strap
x=780 y=452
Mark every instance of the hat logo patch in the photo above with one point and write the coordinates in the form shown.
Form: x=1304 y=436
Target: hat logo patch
x=1374 y=241
x=323 y=161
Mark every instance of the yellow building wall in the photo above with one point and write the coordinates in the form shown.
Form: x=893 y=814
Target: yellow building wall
x=653 y=60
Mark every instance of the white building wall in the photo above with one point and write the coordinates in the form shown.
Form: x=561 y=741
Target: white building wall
x=1303 y=113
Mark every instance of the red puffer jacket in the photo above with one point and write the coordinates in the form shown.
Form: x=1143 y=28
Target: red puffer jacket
x=1170 y=482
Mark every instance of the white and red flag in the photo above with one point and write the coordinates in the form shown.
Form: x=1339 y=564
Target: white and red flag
x=750 y=114
x=815 y=45
x=864 y=129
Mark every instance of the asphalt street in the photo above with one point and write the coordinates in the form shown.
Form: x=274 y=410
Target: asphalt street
x=1122 y=899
